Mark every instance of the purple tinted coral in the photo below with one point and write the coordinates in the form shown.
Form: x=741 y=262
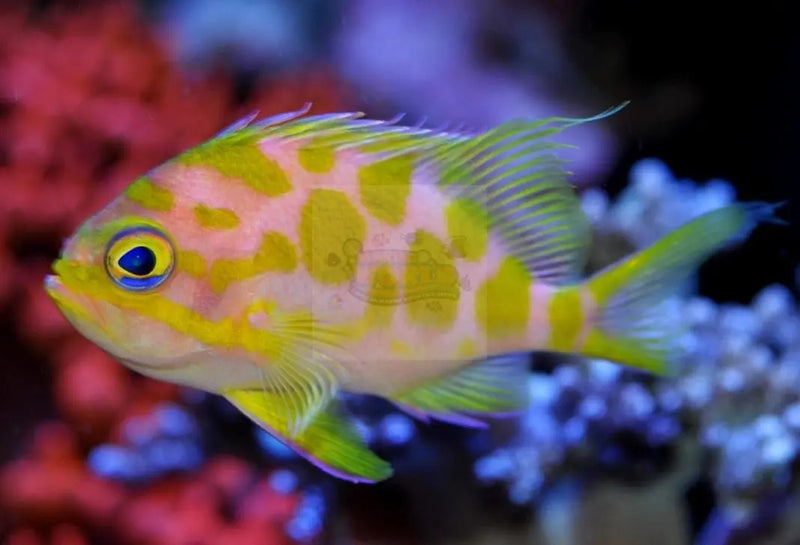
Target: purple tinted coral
x=165 y=440
x=736 y=392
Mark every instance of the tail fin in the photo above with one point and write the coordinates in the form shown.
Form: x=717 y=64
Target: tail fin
x=634 y=323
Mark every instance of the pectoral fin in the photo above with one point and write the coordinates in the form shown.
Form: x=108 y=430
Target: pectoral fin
x=329 y=441
x=304 y=356
x=494 y=387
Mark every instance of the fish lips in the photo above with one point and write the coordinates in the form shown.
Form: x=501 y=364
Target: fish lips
x=75 y=306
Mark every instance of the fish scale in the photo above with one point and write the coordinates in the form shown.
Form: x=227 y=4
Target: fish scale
x=299 y=256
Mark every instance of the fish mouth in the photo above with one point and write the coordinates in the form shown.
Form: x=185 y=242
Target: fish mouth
x=55 y=287
x=71 y=303
x=65 y=299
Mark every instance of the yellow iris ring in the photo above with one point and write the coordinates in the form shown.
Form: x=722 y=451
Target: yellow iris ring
x=130 y=239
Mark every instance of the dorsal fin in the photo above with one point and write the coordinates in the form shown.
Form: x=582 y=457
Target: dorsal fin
x=509 y=175
x=339 y=131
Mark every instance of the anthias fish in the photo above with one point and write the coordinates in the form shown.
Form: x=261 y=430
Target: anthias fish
x=286 y=260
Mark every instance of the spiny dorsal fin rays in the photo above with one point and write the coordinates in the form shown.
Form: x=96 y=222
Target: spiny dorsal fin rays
x=238 y=125
x=317 y=125
x=510 y=172
x=513 y=177
x=279 y=119
x=379 y=139
x=572 y=121
x=492 y=144
x=246 y=122
x=339 y=131
x=350 y=129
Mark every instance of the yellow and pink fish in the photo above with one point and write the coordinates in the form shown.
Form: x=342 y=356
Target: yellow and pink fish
x=286 y=260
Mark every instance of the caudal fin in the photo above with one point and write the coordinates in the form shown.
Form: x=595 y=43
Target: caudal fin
x=634 y=323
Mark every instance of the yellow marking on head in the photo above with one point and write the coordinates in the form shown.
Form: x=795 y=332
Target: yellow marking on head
x=382 y=298
x=65 y=301
x=243 y=160
x=431 y=283
x=502 y=303
x=276 y=254
x=566 y=318
x=385 y=187
x=98 y=237
x=191 y=263
x=468 y=228
x=229 y=332
x=215 y=218
x=317 y=159
x=331 y=234
x=93 y=282
x=467 y=349
x=149 y=195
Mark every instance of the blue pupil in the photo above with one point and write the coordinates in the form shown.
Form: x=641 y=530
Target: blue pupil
x=138 y=261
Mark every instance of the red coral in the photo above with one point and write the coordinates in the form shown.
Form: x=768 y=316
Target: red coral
x=264 y=505
x=5 y=266
x=230 y=476
x=24 y=536
x=68 y=534
x=88 y=102
x=173 y=511
x=91 y=390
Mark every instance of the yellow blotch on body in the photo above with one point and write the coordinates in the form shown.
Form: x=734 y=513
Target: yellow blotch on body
x=467 y=349
x=468 y=229
x=149 y=195
x=241 y=159
x=431 y=282
x=276 y=254
x=502 y=303
x=215 y=218
x=191 y=263
x=332 y=232
x=565 y=313
x=385 y=186
x=317 y=159
x=383 y=296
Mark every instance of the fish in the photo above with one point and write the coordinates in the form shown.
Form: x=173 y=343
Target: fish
x=287 y=261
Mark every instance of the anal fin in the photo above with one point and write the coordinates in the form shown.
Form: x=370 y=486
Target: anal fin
x=328 y=441
x=492 y=387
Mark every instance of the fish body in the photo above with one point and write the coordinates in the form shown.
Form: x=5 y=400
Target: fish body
x=286 y=260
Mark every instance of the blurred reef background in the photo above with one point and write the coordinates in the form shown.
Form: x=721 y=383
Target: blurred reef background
x=93 y=94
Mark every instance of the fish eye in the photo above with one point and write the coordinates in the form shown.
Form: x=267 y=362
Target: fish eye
x=139 y=258
x=138 y=261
